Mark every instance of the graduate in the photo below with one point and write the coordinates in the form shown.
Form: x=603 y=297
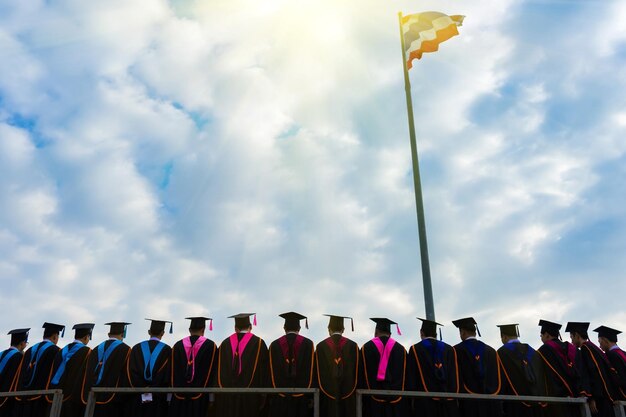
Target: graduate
x=194 y=365
x=68 y=371
x=607 y=339
x=291 y=366
x=10 y=361
x=383 y=368
x=243 y=363
x=149 y=366
x=478 y=370
x=337 y=364
x=106 y=367
x=432 y=367
x=35 y=371
x=561 y=374
x=596 y=370
x=521 y=372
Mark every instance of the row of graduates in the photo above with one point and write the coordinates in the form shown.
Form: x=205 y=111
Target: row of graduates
x=336 y=365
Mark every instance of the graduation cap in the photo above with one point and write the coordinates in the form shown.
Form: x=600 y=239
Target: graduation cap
x=336 y=322
x=52 y=329
x=242 y=320
x=550 y=327
x=83 y=329
x=117 y=327
x=429 y=327
x=577 y=327
x=468 y=323
x=384 y=325
x=608 y=333
x=292 y=320
x=158 y=326
x=198 y=323
x=509 y=329
x=18 y=336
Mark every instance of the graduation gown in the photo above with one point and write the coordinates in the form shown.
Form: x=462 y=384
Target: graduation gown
x=291 y=366
x=478 y=374
x=195 y=368
x=597 y=370
x=432 y=367
x=562 y=376
x=68 y=372
x=386 y=371
x=10 y=361
x=34 y=375
x=337 y=364
x=521 y=372
x=106 y=367
x=617 y=359
x=243 y=363
x=153 y=371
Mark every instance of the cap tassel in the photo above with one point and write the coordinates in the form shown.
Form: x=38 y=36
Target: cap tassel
x=306 y=323
x=63 y=332
x=478 y=331
x=398 y=330
x=171 y=328
x=440 y=335
x=352 y=323
x=254 y=322
x=124 y=333
x=211 y=325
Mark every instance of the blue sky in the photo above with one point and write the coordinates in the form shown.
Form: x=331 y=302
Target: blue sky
x=170 y=159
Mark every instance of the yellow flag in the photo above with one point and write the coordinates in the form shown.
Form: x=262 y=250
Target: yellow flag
x=423 y=32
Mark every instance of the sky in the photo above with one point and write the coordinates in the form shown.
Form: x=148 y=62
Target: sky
x=210 y=157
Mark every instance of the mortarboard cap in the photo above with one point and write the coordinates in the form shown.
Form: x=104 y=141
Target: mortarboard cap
x=52 y=328
x=158 y=326
x=117 y=327
x=429 y=327
x=550 y=327
x=577 y=327
x=608 y=333
x=242 y=320
x=467 y=323
x=509 y=329
x=83 y=329
x=336 y=322
x=198 y=323
x=384 y=325
x=18 y=336
x=292 y=320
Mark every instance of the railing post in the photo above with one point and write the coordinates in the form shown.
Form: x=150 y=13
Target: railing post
x=316 y=403
x=585 y=410
x=359 y=404
x=91 y=404
x=57 y=403
x=618 y=408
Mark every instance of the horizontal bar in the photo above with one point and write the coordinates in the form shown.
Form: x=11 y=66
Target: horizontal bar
x=519 y=398
x=29 y=393
x=164 y=390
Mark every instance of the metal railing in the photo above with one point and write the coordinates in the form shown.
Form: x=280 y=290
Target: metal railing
x=581 y=402
x=57 y=398
x=619 y=408
x=91 y=401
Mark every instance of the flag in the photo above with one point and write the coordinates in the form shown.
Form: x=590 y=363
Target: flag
x=423 y=32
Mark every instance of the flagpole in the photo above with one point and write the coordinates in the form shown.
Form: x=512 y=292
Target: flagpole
x=419 y=203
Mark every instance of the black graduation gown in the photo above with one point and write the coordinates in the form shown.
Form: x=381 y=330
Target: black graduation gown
x=478 y=374
x=432 y=367
x=291 y=366
x=71 y=380
x=337 y=364
x=34 y=375
x=139 y=376
x=112 y=367
x=521 y=372
x=617 y=359
x=8 y=378
x=394 y=379
x=247 y=369
x=562 y=376
x=597 y=370
x=194 y=372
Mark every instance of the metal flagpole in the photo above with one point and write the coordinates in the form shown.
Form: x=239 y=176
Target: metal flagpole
x=419 y=203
